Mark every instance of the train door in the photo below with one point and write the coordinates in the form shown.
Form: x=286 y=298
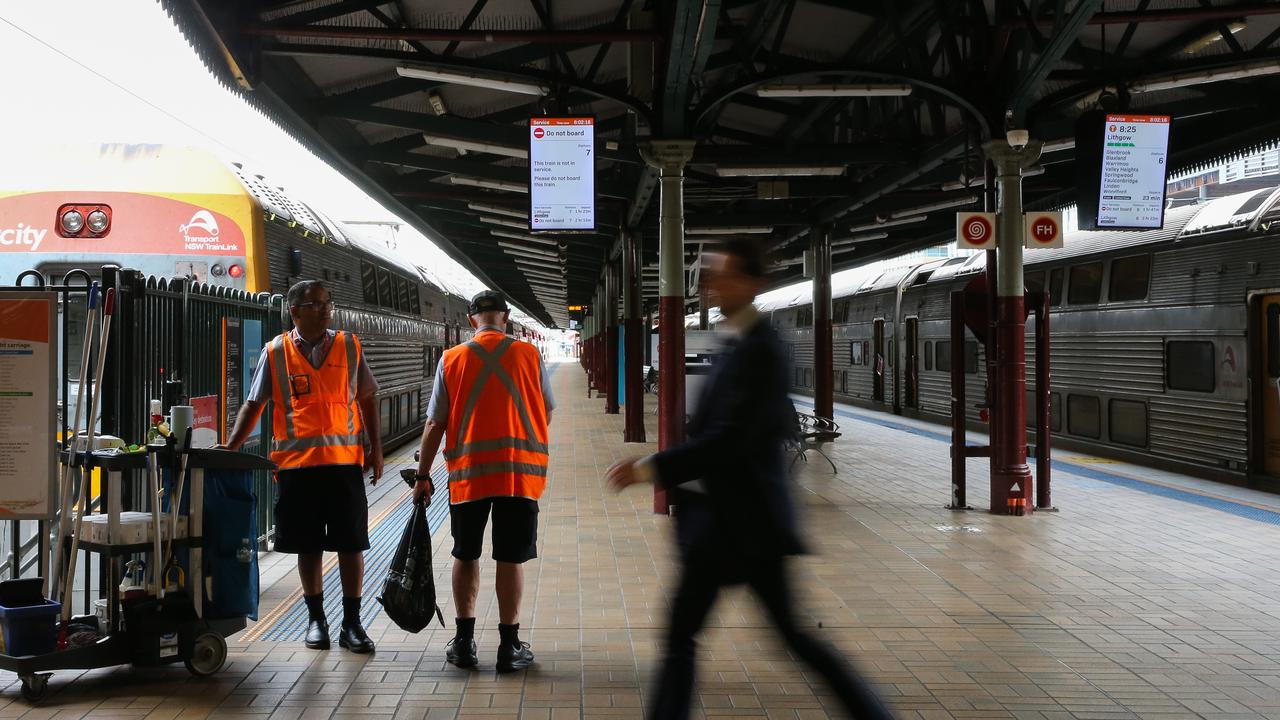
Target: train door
x=1269 y=353
x=877 y=361
x=911 y=366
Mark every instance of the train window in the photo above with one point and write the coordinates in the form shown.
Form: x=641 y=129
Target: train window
x=942 y=355
x=1055 y=412
x=804 y=318
x=1034 y=282
x=808 y=377
x=971 y=357
x=404 y=410
x=1189 y=365
x=866 y=352
x=1084 y=416
x=855 y=353
x=1130 y=278
x=402 y=294
x=1128 y=422
x=416 y=302
x=384 y=415
x=891 y=352
x=1273 y=340
x=840 y=314
x=928 y=355
x=369 y=282
x=385 y=289
x=1086 y=284
x=1055 y=287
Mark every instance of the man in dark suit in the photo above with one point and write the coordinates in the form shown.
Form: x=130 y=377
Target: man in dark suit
x=735 y=519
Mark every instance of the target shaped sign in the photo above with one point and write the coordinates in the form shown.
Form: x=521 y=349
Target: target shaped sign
x=1043 y=229
x=976 y=230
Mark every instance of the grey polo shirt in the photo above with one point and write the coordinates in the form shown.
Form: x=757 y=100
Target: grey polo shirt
x=260 y=386
x=438 y=407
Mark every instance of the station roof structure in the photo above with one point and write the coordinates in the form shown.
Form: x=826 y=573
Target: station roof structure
x=864 y=115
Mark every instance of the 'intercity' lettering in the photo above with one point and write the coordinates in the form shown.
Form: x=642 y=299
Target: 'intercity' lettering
x=23 y=235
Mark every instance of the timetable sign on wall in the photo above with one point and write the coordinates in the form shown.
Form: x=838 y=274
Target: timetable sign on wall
x=1135 y=151
x=562 y=177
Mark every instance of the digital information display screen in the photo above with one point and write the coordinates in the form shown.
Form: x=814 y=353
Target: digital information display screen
x=562 y=177
x=1135 y=151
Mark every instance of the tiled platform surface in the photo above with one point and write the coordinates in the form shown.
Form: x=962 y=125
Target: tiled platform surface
x=1124 y=604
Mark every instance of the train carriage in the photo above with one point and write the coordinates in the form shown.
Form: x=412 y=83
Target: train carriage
x=1166 y=343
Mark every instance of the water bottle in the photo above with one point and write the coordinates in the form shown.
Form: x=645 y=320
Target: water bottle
x=245 y=553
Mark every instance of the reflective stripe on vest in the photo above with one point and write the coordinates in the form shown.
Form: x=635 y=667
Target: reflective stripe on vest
x=323 y=429
x=506 y=465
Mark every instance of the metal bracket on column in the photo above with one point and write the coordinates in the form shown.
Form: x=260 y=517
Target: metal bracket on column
x=667 y=155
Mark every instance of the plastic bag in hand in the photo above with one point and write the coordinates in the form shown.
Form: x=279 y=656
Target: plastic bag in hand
x=409 y=592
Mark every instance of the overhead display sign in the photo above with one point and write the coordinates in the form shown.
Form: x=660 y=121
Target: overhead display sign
x=976 y=230
x=1122 y=170
x=28 y=397
x=562 y=173
x=1043 y=229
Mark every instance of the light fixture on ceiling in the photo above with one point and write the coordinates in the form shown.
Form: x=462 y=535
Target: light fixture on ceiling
x=1173 y=81
x=859 y=238
x=933 y=207
x=528 y=249
x=498 y=210
x=729 y=230
x=524 y=237
x=1052 y=146
x=475 y=146
x=779 y=170
x=504 y=222
x=835 y=90
x=489 y=184
x=1213 y=36
x=470 y=79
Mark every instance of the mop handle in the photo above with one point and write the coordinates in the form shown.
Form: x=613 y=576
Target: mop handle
x=176 y=500
x=65 y=500
x=108 y=308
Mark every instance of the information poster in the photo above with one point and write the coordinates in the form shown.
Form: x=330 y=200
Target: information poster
x=28 y=397
x=1135 y=151
x=251 y=332
x=204 y=424
x=562 y=176
x=232 y=373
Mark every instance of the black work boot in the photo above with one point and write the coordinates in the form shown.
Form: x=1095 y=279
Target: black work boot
x=461 y=650
x=513 y=655
x=317 y=626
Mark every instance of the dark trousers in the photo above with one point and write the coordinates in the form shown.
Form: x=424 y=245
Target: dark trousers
x=700 y=582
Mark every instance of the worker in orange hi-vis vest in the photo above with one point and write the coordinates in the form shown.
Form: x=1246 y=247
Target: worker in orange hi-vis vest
x=322 y=395
x=492 y=401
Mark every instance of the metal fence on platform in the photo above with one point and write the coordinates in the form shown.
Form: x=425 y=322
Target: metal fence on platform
x=171 y=340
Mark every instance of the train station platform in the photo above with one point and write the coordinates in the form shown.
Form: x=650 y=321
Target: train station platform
x=1147 y=595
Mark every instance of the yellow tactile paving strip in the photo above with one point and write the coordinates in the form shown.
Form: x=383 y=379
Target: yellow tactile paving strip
x=1121 y=605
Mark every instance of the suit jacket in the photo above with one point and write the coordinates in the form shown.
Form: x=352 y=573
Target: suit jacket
x=735 y=446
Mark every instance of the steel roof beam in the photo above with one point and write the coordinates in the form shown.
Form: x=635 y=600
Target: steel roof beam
x=542 y=37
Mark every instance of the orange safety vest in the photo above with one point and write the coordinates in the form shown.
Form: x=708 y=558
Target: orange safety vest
x=496 y=439
x=316 y=419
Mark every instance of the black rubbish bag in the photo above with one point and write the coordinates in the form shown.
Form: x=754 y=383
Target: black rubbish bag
x=409 y=592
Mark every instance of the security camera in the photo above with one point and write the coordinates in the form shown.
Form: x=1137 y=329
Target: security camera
x=1018 y=139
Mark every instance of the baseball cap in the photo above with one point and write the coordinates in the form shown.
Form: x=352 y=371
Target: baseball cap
x=487 y=301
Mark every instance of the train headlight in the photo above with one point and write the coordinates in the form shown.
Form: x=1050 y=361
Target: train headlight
x=235 y=271
x=72 y=221
x=216 y=270
x=98 y=222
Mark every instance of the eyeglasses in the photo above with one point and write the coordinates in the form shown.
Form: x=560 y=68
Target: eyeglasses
x=326 y=306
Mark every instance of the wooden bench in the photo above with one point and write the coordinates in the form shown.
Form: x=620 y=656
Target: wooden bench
x=812 y=432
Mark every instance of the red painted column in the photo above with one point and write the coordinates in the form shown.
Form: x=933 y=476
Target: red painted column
x=633 y=338
x=670 y=157
x=1010 y=475
x=824 y=368
x=611 y=338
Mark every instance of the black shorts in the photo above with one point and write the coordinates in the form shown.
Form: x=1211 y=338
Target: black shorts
x=515 y=528
x=321 y=508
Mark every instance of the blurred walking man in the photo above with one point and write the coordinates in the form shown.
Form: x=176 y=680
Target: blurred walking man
x=492 y=402
x=736 y=521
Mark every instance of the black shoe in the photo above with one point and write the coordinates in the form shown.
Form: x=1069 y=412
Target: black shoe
x=461 y=653
x=318 y=634
x=353 y=638
x=513 y=656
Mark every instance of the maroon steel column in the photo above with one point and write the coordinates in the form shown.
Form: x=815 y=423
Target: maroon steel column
x=632 y=337
x=1044 y=471
x=823 y=368
x=670 y=157
x=1010 y=476
x=611 y=338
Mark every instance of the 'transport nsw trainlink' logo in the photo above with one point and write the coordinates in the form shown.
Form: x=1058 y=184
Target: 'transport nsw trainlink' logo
x=203 y=222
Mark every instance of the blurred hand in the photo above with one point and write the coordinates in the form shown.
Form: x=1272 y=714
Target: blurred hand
x=422 y=492
x=622 y=474
x=374 y=462
x=221 y=446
